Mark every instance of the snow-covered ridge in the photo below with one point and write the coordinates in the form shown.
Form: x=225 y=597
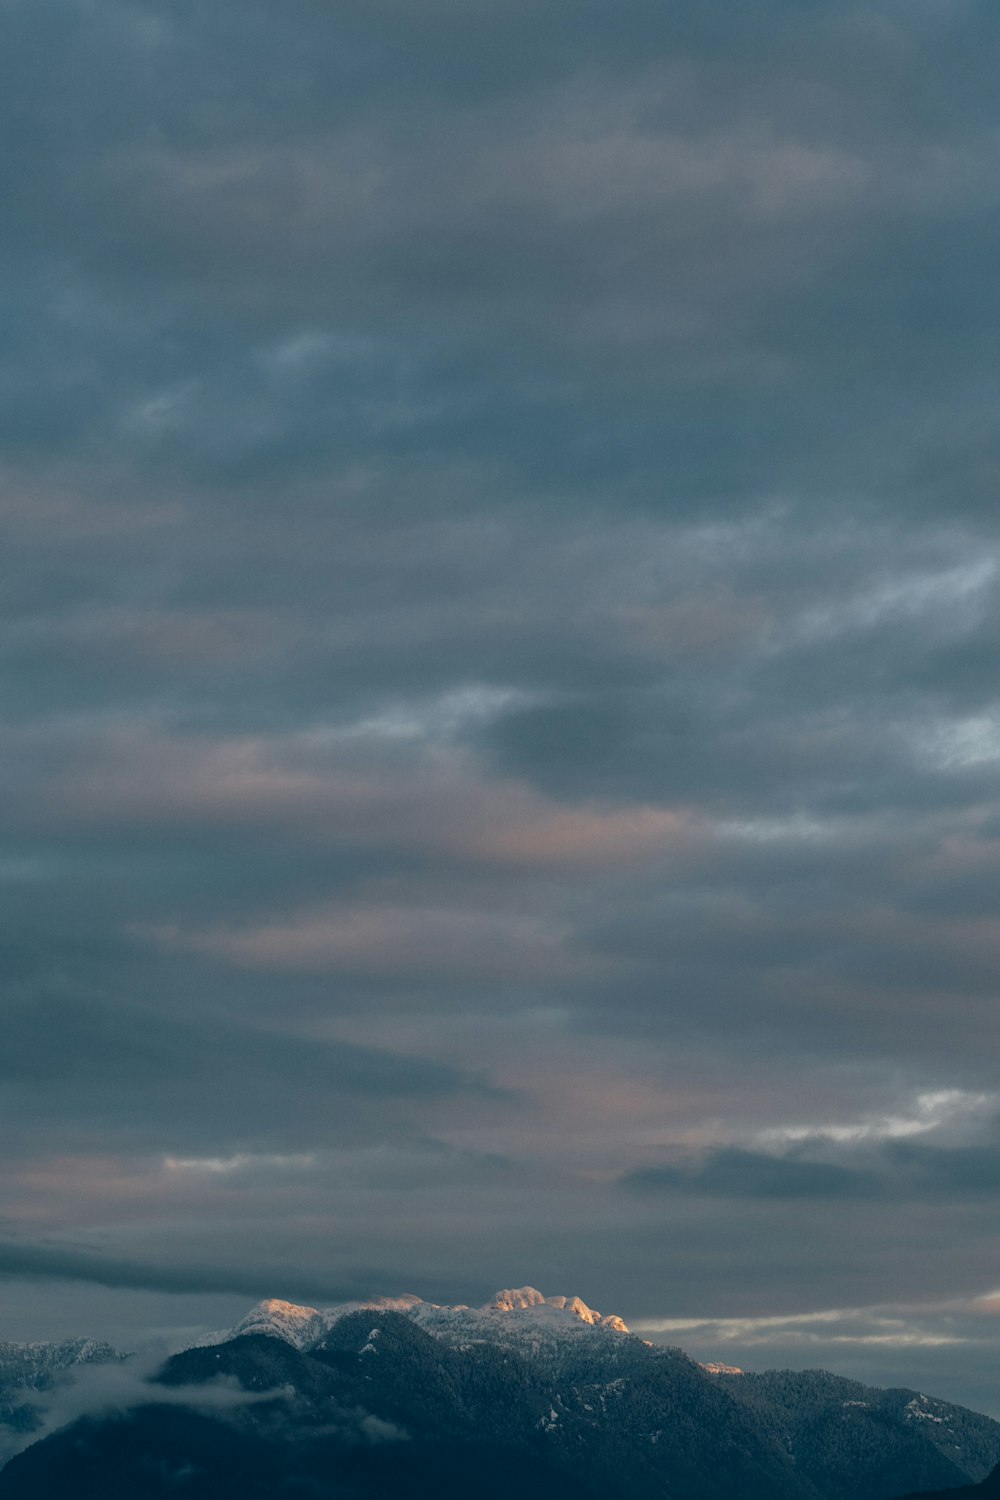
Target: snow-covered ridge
x=521 y=1315
x=26 y=1364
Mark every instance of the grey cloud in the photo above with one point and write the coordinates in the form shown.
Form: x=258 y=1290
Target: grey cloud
x=735 y=1173
x=36 y=1262
x=498 y=639
x=943 y=1171
x=921 y=1170
x=154 y=1080
x=212 y=190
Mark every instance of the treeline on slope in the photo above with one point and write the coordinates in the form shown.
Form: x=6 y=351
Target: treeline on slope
x=838 y=1428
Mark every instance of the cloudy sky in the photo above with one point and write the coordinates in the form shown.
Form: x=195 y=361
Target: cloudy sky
x=500 y=667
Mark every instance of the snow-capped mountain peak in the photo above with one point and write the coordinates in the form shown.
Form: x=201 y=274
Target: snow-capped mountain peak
x=521 y=1314
x=515 y=1299
x=523 y=1298
x=299 y=1326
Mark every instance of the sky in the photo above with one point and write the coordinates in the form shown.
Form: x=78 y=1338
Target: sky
x=499 y=668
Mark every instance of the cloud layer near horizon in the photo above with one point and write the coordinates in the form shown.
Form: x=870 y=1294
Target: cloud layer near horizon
x=500 y=659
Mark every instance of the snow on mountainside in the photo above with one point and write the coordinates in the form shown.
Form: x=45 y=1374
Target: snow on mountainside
x=521 y=1314
x=32 y=1365
x=26 y=1369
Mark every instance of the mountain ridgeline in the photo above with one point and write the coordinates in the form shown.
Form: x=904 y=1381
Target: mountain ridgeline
x=539 y=1398
x=28 y=1371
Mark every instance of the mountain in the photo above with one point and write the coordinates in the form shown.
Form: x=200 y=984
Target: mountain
x=27 y=1369
x=836 y=1427
x=378 y=1405
x=529 y=1395
x=989 y=1489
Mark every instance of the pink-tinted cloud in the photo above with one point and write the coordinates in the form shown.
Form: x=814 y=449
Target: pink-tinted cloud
x=378 y=939
x=348 y=788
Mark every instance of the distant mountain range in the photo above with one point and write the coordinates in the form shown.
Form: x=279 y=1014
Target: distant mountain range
x=31 y=1370
x=526 y=1397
